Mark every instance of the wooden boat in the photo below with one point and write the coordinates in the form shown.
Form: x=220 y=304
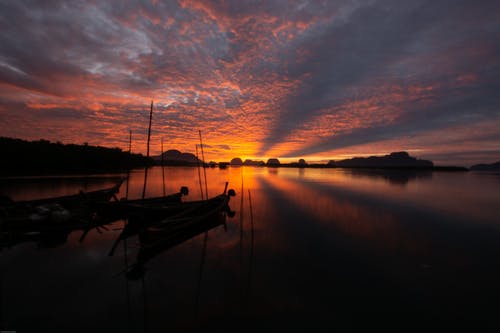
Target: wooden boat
x=57 y=213
x=139 y=208
x=70 y=201
x=172 y=214
x=190 y=215
x=186 y=221
x=179 y=228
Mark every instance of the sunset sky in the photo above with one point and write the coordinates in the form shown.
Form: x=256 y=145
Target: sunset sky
x=289 y=79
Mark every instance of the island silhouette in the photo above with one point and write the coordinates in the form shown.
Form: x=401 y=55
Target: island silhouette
x=174 y=157
x=394 y=160
x=22 y=157
x=486 y=167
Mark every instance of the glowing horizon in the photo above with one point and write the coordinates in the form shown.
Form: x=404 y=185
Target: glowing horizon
x=283 y=80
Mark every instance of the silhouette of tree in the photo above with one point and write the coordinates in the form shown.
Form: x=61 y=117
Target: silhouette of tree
x=42 y=157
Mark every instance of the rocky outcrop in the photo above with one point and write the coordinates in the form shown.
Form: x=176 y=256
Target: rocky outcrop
x=253 y=163
x=175 y=157
x=236 y=162
x=273 y=162
x=486 y=167
x=393 y=160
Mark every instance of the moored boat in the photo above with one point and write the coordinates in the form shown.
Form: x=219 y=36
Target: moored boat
x=179 y=228
x=173 y=214
x=140 y=208
x=56 y=213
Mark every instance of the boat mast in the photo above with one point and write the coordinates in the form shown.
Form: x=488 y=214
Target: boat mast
x=149 y=128
x=199 y=174
x=147 y=151
x=129 y=162
x=162 y=168
x=204 y=169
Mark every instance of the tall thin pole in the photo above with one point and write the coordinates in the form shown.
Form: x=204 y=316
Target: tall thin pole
x=199 y=174
x=147 y=151
x=127 y=289
x=143 y=195
x=203 y=160
x=149 y=128
x=130 y=142
x=250 y=263
x=162 y=168
x=241 y=219
x=129 y=162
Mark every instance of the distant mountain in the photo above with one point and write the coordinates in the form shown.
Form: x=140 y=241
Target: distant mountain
x=300 y=164
x=236 y=161
x=175 y=157
x=486 y=167
x=273 y=162
x=254 y=163
x=393 y=160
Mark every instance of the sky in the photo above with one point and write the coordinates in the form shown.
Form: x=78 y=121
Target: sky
x=317 y=80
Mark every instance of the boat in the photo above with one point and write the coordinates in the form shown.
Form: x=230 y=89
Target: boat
x=139 y=208
x=68 y=201
x=171 y=214
x=56 y=213
x=184 y=221
x=179 y=228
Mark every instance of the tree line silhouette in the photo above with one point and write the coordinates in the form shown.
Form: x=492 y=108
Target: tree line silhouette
x=44 y=157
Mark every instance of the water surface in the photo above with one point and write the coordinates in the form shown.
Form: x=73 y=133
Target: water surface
x=306 y=247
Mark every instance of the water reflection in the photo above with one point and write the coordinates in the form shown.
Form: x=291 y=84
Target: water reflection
x=49 y=221
x=307 y=246
x=160 y=238
x=30 y=188
x=346 y=216
x=395 y=177
x=41 y=239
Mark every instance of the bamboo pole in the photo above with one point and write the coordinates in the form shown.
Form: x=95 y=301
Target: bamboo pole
x=147 y=151
x=203 y=160
x=129 y=162
x=199 y=174
x=162 y=168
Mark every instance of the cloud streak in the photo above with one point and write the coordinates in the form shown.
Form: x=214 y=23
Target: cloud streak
x=260 y=79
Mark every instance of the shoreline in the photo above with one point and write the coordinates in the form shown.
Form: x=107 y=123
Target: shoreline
x=58 y=174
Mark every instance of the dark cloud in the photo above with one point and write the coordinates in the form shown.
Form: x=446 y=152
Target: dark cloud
x=369 y=46
x=274 y=77
x=224 y=147
x=450 y=106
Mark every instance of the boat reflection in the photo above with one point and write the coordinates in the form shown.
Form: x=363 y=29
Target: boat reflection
x=49 y=236
x=42 y=239
x=160 y=238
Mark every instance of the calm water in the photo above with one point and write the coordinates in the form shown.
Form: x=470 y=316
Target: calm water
x=306 y=248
